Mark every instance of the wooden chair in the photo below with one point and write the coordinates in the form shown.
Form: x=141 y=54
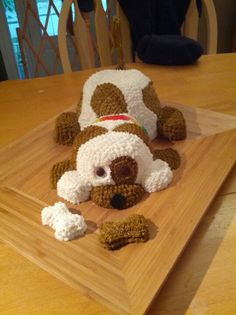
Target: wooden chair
x=88 y=47
x=190 y=27
x=37 y=66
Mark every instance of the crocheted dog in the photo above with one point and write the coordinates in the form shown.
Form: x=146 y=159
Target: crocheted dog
x=112 y=161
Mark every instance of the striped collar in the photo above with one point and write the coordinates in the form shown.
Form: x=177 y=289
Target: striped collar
x=124 y=117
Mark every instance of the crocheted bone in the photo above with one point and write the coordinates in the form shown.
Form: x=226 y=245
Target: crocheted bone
x=133 y=229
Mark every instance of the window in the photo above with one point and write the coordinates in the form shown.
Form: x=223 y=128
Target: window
x=42 y=5
x=13 y=23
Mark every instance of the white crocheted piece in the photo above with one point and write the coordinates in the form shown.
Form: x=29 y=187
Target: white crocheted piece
x=131 y=83
x=67 y=226
x=157 y=177
x=100 y=151
x=73 y=187
x=50 y=213
x=111 y=124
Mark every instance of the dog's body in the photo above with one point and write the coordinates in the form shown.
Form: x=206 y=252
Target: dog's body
x=112 y=161
x=112 y=92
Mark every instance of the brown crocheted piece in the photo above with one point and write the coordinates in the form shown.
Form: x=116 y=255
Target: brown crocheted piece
x=124 y=170
x=135 y=130
x=58 y=170
x=88 y=133
x=66 y=128
x=114 y=235
x=171 y=124
x=79 y=105
x=108 y=99
x=150 y=98
x=117 y=197
x=117 y=42
x=170 y=156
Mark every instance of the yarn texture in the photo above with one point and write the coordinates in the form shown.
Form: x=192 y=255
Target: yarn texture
x=114 y=235
x=117 y=197
x=66 y=128
x=126 y=93
x=67 y=226
x=171 y=124
x=112 y=161
x=170 y=156
x=58 y=170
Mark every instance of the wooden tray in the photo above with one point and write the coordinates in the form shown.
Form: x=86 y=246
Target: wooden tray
x=126 y=280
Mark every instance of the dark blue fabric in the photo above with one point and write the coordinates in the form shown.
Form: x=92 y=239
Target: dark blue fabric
x=86 y=5
x=150 y=18
x=168 y=50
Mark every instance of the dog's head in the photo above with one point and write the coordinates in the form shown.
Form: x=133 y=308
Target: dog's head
x=113 y=165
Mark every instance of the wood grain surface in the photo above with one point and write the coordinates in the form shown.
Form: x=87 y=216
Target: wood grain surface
x=114 y=279
x=179 y=290
x=219 y=283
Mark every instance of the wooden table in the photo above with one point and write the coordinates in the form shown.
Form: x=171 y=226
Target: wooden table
x=204 y=279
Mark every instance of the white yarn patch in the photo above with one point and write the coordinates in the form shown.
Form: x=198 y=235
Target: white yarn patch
x=111 y=124
x=73 y=187
x=67 y=226
x=158 y=176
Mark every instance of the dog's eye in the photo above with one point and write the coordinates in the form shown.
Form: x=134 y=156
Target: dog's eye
x=100 y=172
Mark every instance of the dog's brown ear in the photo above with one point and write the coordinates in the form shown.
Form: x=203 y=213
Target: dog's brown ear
x=88 y=133
x=169 y=155
x=58 y=170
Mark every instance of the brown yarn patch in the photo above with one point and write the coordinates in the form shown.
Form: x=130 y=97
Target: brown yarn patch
x=135 y=130
x=133 y=229
x=88 y=133
x=170 y=156
x=79 y=105
x=124 y=170
x=102 y=195
x=171 y=124
x=58 y=170
x=107 y=99
x=66 y=128
x=151 y=99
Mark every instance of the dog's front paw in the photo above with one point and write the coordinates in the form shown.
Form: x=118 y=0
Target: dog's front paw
x=66 y=128
x=157 y=177
x=73 y=188
x=171 y=124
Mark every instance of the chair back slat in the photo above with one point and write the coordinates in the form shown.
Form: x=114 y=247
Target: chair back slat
x=191 y=22
x=212 y=27
x=102 y=35
x=83 y=40
x=62 y=32
x=125 y=35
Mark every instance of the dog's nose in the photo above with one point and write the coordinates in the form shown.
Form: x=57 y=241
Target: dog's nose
x=118 y=202
x=124 y=170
